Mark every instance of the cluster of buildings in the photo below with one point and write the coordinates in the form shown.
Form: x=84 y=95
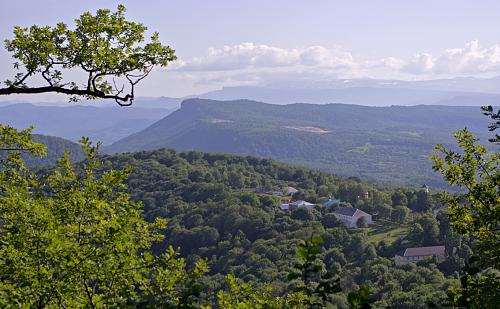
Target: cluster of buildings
x=348 y=215
x=351 y=217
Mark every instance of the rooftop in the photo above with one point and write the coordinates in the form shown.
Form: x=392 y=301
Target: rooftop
x=301 y=203
x=347 y=211
x=419 y=251
x=330 y=201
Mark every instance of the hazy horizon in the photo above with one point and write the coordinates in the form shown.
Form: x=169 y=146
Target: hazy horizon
x=228 y=43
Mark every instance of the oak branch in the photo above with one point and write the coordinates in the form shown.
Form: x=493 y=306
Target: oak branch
x=108 y=49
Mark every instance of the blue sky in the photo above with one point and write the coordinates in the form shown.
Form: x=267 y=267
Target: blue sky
x=225 y=43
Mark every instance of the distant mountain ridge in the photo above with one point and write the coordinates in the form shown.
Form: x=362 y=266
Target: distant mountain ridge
x=459 y=91
x=387 y=144
x=106 y=124
x=370 y=96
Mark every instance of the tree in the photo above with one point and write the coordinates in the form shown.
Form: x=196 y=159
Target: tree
x=76 y=239
x=330 y=220
x=361 y=222
x=400 y=214
x=495 y=116
x=399 y=198
x=243 y=295
x=106 y=47
x=303 y=214
x=423 y=201
x=474 y=211
x=415 y=234
x=384 y=211
x=361 y=299
x=315 y=285
x=380 y=198
x=430 y=225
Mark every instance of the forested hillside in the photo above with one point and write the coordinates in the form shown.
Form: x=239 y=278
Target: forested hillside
x=381 y=144
x=217 y=211
x=54 y=147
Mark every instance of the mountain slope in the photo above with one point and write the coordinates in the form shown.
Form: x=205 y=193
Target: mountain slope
x=55 y=147
x=387 y=144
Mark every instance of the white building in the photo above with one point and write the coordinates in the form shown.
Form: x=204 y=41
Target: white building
x=412 y=255
x=350 y=216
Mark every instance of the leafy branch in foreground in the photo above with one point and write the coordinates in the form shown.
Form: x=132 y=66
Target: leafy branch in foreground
x=19 y=141
x=105 y=47
x=475 y=212
x=495 y=116
x=77 y=240
x=243 y=295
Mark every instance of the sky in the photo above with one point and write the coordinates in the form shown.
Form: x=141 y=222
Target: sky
x=266 y=43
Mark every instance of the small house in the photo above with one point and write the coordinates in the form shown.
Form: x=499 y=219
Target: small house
x=351 y=216
x=302 y=204
x=420 y=253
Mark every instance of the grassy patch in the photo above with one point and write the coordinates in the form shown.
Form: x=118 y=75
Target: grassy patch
x=386 y=231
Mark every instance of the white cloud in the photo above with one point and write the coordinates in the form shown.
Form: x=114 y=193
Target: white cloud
x=244 y=55
x=420 y=63
x=252 y=56
x=259 y=64
x=469 y=60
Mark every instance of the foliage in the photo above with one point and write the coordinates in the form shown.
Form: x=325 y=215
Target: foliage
x=361 y=299
x=242 y=296
x=314 y=281
x=240 y=230
x=103 y=46
x=474 y=212
x=14 y=142
x=495 y=116
x=76 y=239
x=478 y=289
x=400 y=214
